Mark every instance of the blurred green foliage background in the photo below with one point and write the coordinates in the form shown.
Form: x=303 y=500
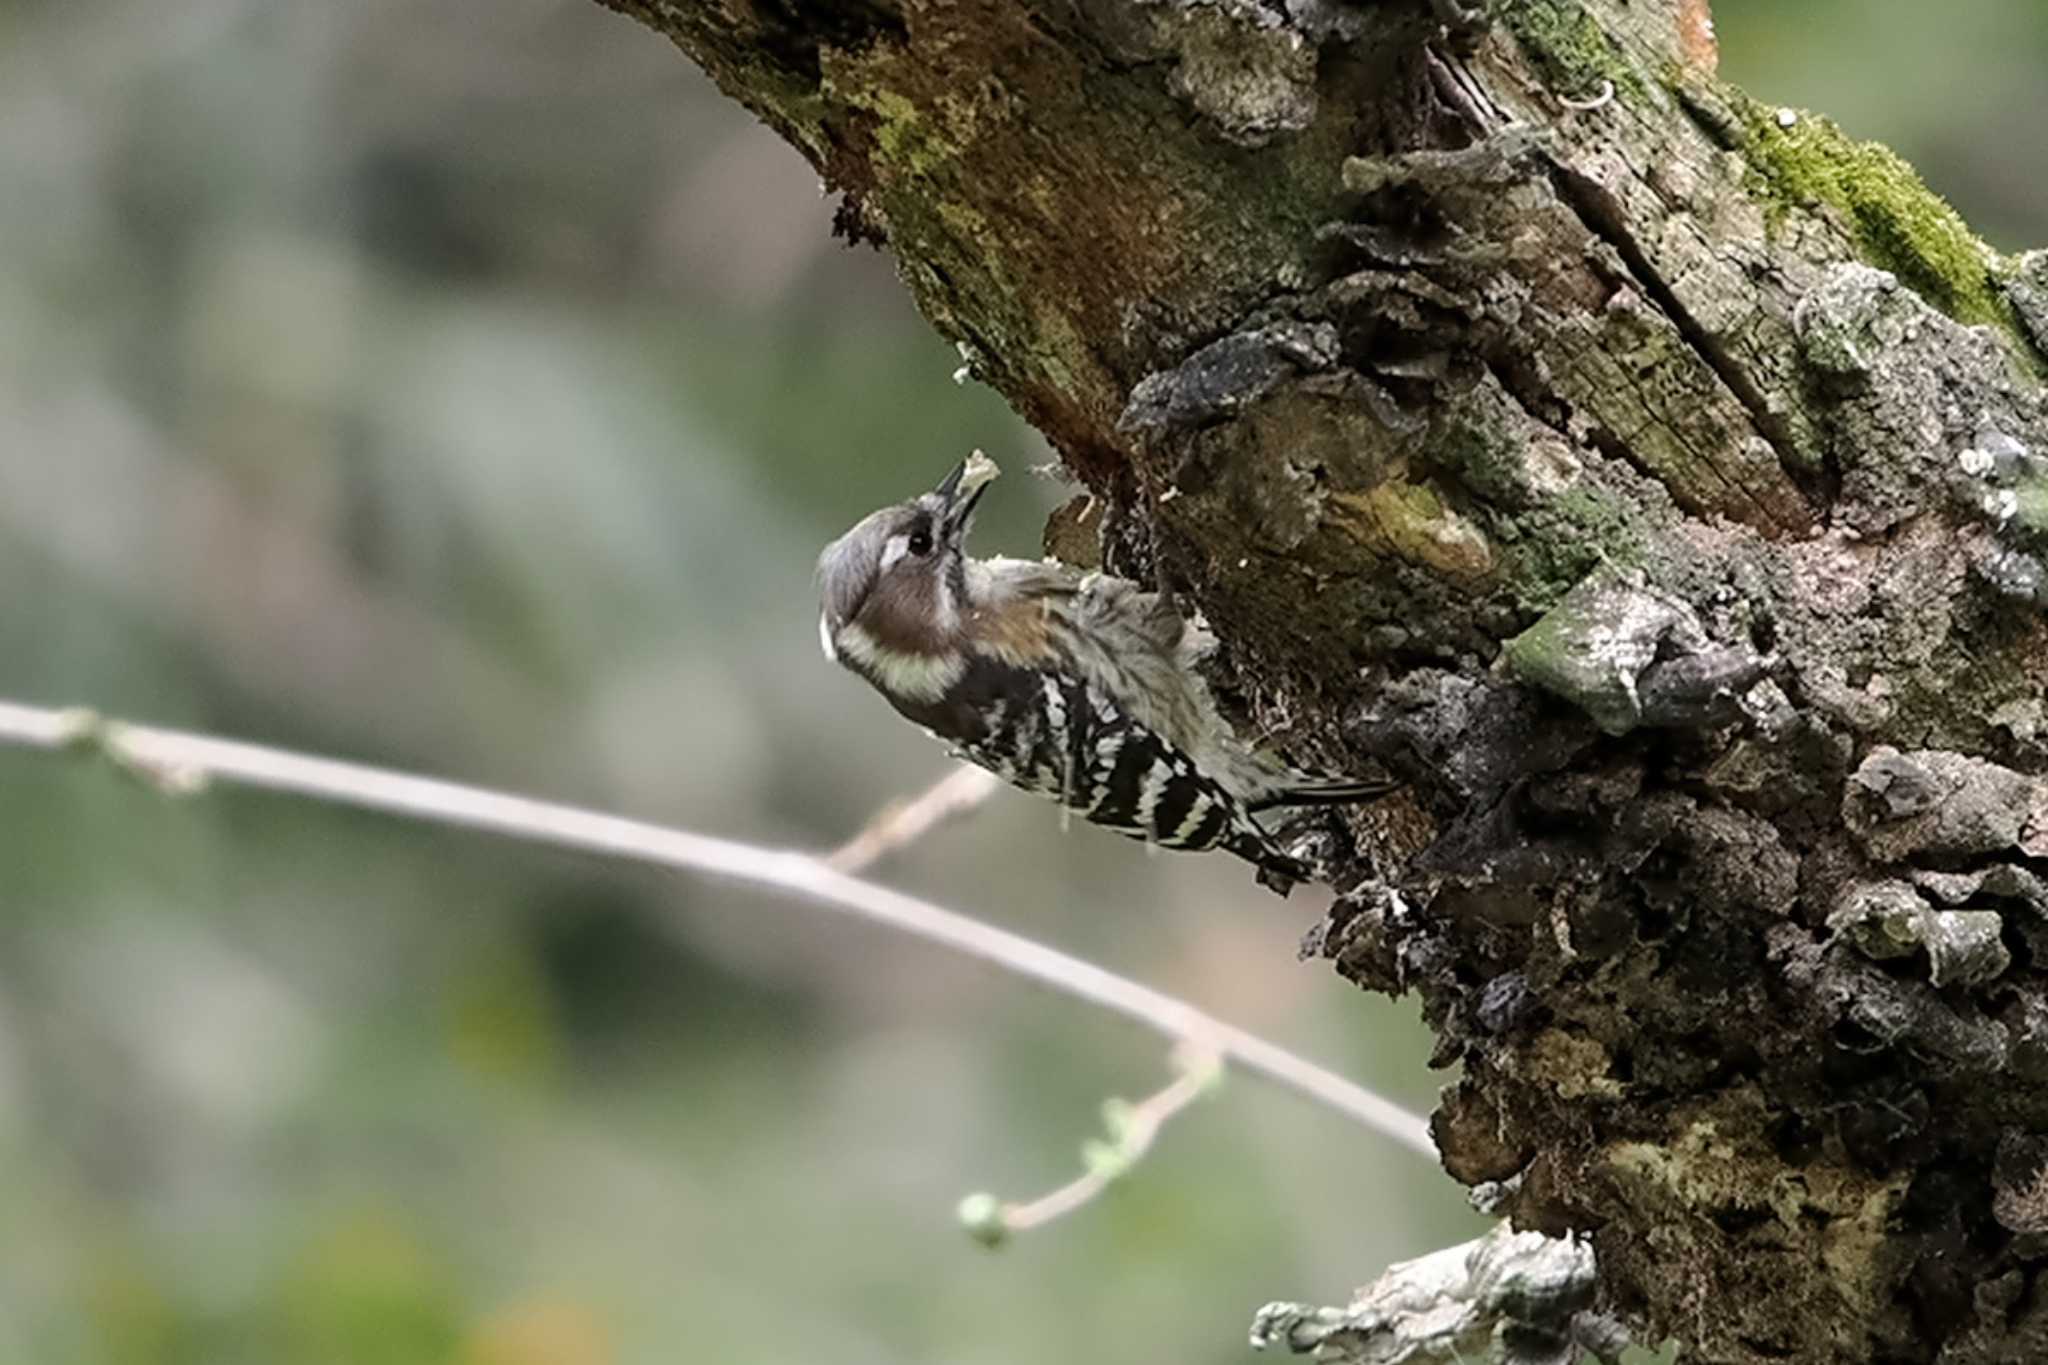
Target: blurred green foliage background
x=466 y=386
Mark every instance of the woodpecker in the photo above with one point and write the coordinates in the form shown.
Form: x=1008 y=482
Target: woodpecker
x=1081 y=688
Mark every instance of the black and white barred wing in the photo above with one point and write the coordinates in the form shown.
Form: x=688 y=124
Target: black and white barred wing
x=1065 y=739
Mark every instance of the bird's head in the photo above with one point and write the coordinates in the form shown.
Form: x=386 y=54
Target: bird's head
x=895 y=588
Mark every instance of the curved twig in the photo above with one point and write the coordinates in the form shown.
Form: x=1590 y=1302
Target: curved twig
x=905 y=822
x=182 y=761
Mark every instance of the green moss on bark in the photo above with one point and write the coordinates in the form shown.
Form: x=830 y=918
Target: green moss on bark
x=1569 y=47
x=1571 y=536
x=1899 y=224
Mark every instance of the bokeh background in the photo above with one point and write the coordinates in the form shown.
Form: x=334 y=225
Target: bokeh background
x=464 y=385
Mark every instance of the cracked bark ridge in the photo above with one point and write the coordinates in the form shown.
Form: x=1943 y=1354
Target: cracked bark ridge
x=1658 y=481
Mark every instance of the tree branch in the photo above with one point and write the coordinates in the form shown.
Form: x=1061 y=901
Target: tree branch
x=181 y=762
x=905 y=822
x=1656 y=480
x=1132 y=1129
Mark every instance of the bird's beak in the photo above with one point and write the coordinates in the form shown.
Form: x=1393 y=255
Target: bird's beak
x=960 y=490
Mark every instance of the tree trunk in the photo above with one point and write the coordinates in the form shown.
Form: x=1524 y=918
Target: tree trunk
x=1657 y=481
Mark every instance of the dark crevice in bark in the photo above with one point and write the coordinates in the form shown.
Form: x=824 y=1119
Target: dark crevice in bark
x=1709 y=119
x=1603 y=216
x=1619 y=451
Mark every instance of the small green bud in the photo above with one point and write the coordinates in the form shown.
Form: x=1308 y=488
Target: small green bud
x=1104 y=1159
x=81 y=729
x=1116 y=1119
x=982 y=1216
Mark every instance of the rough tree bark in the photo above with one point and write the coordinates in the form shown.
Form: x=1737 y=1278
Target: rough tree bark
x=1658 y=481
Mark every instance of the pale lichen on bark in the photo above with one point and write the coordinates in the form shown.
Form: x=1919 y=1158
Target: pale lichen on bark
x=1516 y=1298
x=1656 y=479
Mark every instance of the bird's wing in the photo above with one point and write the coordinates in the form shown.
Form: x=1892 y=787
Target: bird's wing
x=1001 y=578
x=1106 y=603
x=1135 y=646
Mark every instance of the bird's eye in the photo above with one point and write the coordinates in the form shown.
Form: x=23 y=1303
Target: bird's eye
x=920 y=542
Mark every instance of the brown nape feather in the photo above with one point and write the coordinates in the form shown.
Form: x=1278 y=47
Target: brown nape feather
x=1018 y=631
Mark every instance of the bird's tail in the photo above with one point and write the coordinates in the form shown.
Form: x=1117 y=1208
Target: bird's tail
x=1304 y=789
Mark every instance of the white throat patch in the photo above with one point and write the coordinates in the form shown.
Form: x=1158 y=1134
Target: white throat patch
x=914 y=677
